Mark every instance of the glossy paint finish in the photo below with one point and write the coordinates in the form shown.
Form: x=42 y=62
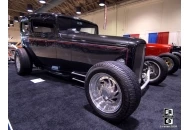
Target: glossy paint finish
x=75 y=51
x=157 y=49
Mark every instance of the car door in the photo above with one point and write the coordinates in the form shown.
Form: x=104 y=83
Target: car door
x=43 y=40
x=64 y=45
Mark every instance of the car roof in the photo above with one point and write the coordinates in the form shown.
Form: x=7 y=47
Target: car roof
x=29 y=16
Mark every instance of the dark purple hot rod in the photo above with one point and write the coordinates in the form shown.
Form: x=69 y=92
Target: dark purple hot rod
x=110 y=67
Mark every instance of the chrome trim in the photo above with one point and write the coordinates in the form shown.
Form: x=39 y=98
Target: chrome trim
x=78 y=74
x=147 y=80
x=105 y=93
x=139 y=61
x=78 y=80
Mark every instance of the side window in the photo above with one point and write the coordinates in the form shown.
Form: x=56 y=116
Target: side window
x=42 y=26
x=66 y=24
x=25 y=27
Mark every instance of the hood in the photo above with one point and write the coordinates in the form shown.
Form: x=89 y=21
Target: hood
x=102 y=39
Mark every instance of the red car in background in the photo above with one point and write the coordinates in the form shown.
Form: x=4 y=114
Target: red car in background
x=157 y=49
x=165 y=51
x=161 y=60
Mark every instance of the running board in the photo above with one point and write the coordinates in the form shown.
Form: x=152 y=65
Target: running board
x=78 y=77
x=74 y=73
x=78 y=80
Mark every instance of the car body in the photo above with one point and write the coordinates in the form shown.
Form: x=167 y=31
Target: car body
x=76 y=51
x=157 y=49
x=69 y=46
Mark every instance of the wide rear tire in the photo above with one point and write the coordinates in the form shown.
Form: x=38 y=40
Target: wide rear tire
x=112 y=83
x=23 y=63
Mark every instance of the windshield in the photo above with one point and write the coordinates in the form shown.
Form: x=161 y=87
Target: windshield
x=67 y=24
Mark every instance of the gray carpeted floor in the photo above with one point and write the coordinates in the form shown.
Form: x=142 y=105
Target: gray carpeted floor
x=57 y=104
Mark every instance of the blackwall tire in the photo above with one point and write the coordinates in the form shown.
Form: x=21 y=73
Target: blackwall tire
x=178 y=55
x=23 y=63
x=123 y=80
x=159 y=69
x=173 y=60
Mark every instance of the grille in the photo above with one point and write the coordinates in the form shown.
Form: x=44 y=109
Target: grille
x=139 y=61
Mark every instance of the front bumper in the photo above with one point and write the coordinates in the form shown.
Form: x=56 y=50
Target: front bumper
x=145 y=86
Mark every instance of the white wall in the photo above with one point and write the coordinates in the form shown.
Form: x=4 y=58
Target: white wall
x=141 y=17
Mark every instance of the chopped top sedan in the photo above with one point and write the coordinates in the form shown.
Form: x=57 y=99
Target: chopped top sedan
x=110 y=67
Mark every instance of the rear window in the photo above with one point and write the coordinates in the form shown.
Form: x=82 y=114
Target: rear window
x=67 y=24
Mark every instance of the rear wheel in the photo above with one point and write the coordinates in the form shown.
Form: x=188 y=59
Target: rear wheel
x=158 y=69
x=171 y=61
x=23 y=63
x=112 y=90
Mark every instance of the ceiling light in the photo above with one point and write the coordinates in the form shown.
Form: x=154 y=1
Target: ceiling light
x=29 y=8
x=16 y=19
x=42 y=1
x=78 y=10
x=101 y=2
x=11 y=22
x=21 y=14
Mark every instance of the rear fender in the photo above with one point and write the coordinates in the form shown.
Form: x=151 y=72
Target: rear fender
x=33 y=57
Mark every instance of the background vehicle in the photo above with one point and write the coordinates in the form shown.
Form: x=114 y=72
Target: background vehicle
x=110 y=67
x=11 y=51
x=176 y=48
x=165 y=52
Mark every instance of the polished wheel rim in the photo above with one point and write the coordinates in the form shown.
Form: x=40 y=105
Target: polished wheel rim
x=105 y=93
x=17 y=63
x=154 y=70
x=169 y=62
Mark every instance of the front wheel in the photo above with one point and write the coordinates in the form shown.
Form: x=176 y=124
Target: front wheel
x=158 y=69
x=112 y=90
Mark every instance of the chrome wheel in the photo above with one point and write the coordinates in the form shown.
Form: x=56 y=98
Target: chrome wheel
x=169 y=62
x=17 y=62
x=155 y=70
x=105 y=93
